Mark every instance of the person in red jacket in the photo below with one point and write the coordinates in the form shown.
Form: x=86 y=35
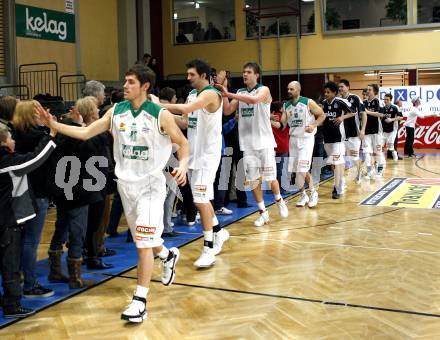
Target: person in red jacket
x=281 y=135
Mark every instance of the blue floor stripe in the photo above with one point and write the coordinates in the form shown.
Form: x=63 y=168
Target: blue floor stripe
x=126 y=257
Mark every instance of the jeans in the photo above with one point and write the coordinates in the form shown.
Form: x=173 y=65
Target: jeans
x=31 y=237
x=409 y=151
x=168 y=210
x=74 y=223
x=10 y=244
x=115 y=214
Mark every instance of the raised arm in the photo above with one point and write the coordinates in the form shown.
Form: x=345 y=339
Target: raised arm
x=263 y=96
x=348 y=112
x=229 y=107
x=181 y=121
x=21 y=164
x=83 y=132
x=169 y=126
x=204 y=100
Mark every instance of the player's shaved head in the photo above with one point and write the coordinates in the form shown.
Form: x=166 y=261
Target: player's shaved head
x=295 y=84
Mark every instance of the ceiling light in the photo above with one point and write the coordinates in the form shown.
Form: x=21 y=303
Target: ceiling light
x=196 y=4
x=397 y=72
x=175 y=15
x=247 y=6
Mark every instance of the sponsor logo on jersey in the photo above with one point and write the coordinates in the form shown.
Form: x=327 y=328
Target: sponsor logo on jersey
x=145 y=230
x=331 y=115
x=247 y=111
x=407 y=193
x=146 y=129
x=192 y=122
x=200 y=188
x=122 y=127
x=135 y=152
x=145 y=234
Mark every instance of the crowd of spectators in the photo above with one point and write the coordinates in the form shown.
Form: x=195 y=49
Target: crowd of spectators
x=201 y=34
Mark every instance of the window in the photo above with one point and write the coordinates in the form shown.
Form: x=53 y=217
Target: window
x=349 y=14
x=288 y=24
x=208 y=20
x=428 y=11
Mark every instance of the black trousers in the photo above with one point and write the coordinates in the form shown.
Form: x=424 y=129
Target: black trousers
x=10 y=249
x=188 y=202
x=409 y=151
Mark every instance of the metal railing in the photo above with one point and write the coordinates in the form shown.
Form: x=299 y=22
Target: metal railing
x=18 y=91
x=71 y=87
x=41 y=78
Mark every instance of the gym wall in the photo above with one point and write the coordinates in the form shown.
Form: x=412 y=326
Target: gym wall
x=96 y=41
x=319 y=53
x=31 y=51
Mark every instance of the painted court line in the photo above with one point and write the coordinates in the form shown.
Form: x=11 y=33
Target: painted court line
x=341 y=245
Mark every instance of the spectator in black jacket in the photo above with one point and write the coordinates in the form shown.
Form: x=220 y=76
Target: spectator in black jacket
x=72 y=207
x=28 y=133
x=94 y=147
x=16 y=207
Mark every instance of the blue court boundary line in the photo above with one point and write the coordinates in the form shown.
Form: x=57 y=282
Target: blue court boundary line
x=126 y=258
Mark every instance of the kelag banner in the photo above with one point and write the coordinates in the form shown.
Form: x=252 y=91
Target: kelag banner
x=40 y=23
x=427 y=133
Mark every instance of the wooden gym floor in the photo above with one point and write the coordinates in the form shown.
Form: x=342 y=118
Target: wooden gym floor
x=341 y=271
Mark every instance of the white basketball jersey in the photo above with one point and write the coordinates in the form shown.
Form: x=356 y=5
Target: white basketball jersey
x=204 y=134
x=298 y=117
x=140 y=148
x=254 y=127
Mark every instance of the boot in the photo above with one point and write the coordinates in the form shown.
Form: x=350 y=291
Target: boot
x=55 y=271
x=75 y=280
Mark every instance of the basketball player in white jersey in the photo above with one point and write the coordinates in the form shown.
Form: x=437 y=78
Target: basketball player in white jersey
x=303 y=116
x=203 y=117
x=256 y=137
x=143 y=135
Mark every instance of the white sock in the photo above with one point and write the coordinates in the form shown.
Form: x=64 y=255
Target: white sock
x=208 y=235
x=214 y=220
x=163 y=254
x=368 y=160
x=141 y=291
x=261 y=206
x=278 y=197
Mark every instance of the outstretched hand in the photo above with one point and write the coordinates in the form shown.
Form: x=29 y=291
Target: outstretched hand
x=222 y=88
x=179 y=175
x=44 y=115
